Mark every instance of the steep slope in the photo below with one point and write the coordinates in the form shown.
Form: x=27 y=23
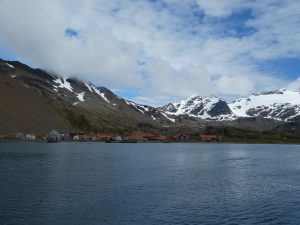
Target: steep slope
x=33 y=100
x=22 y=109
x=279 y=105
x=206 y=108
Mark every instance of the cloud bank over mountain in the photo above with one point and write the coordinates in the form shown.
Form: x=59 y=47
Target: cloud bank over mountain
x=159 y=49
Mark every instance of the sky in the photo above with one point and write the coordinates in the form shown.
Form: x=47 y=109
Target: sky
x=159 y=51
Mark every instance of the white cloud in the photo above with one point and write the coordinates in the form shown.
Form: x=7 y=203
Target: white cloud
x=186 y=81
x=36 y=31
x=222 y=8
x=295 y=85
x=187 y=50
x=234 y=85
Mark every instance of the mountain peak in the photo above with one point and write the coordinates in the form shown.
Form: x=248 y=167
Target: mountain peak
x=280 y=105
x=208 y=108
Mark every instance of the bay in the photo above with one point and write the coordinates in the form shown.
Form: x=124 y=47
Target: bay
x=110 y=183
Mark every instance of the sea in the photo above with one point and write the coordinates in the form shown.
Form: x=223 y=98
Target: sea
x=148 y=183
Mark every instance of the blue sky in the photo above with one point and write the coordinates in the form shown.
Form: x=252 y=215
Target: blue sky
x=158 y=51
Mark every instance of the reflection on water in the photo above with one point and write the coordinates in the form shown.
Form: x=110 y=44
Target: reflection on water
x=98 y=183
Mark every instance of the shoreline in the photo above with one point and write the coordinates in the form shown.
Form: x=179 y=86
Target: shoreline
x=151 y=142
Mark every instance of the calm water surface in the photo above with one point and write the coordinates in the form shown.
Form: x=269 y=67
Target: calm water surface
x=98 y=183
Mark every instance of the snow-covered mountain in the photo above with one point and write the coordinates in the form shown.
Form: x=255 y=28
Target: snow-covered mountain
x=281 y=105
x=206 y=108
x=278 y=105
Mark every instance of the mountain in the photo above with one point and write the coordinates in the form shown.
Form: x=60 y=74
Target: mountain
x=278 y=105
x=34 y=100
x=205 y=108
x=282 y=105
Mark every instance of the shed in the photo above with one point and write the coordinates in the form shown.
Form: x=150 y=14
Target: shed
x=30 y=137
x=20 y=136
x=76 y=138
x=53 y=136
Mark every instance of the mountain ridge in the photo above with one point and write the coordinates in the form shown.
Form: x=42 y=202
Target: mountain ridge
x=34 y=100
x=75 y=104
x=281 y=105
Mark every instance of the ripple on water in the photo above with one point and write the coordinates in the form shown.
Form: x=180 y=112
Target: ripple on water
x=77 y=183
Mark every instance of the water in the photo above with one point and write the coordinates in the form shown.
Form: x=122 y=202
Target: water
x=98 y=183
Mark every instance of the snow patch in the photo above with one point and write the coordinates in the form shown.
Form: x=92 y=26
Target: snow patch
x=102 y=95
x=11 y=66
x=63 y=83
x=76 y=103
x=89 y=87
x=143 y=107
x=171 y=119
x=80 y=96
x=13 y=76
x=138 y=107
